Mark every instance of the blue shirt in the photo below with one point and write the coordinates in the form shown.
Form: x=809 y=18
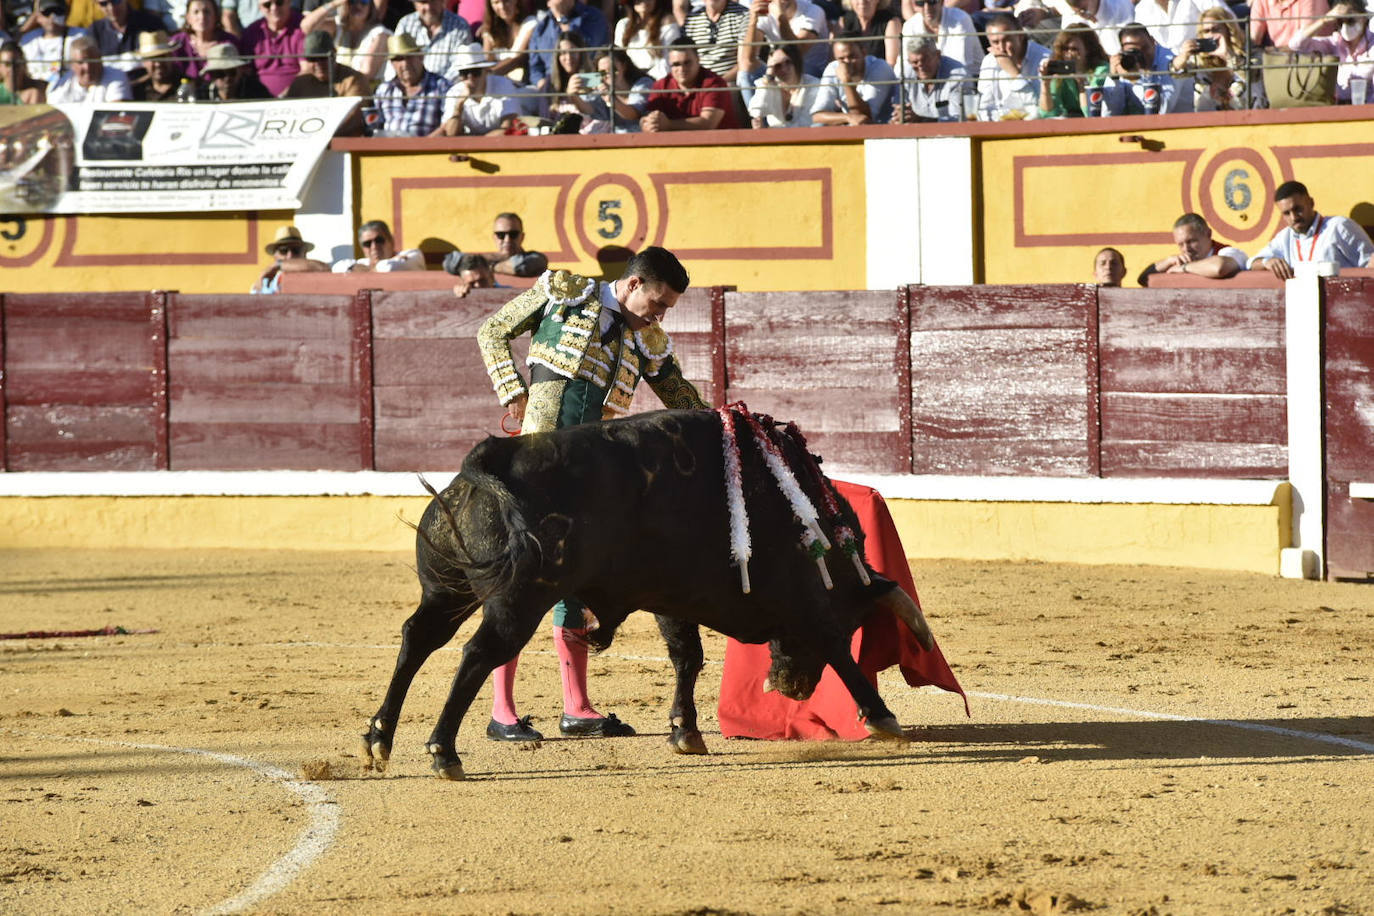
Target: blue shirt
x=412 y=115
x=587 y=21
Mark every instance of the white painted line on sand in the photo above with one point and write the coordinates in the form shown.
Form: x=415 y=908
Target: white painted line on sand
x=313 y=842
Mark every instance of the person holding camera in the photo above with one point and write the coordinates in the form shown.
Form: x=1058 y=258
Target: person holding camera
x=613 y=97
x=1076 y=66
x=1141 y=80
x=1216 y=60
x=783 y=96
x=1344 y=33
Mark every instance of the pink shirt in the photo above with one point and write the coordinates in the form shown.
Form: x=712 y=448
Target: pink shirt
x=276 y=55
x=1282 y=19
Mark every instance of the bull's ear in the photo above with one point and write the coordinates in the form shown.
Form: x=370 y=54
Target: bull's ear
x=553 y=532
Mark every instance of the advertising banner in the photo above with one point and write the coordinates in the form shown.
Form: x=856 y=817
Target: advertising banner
x=163 y=157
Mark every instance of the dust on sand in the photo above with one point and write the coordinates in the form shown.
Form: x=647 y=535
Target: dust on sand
x=110 y=804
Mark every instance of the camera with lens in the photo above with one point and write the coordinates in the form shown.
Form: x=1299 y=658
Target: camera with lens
x=1130 y=60
x=1206 y=45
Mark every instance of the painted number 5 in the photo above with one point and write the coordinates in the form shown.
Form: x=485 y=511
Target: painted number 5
x=15 y=234
x=605 y=214
x=1236 y=193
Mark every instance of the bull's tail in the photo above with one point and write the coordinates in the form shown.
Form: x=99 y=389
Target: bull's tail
x=494 y=556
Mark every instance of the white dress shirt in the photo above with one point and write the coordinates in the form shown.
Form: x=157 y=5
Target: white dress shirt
x=956 y=36
x=113 y=87
x=1330 y=238
x=1174 y=24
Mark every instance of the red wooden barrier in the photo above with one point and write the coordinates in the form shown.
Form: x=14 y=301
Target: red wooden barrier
x=829 y=361
x=320 y=283
x=265 y=382
x=1349 y=372
x=84 y=382
x=1002 y=380
x=1193 y=383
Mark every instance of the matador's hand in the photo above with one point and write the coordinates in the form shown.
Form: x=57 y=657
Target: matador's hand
x=517 y=408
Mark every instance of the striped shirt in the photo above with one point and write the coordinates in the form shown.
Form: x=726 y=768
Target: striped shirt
x=718 y=40
x=442 y=51
x=412 y=115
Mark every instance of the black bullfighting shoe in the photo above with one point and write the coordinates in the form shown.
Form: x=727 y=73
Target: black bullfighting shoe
x=520 y=731
x=609 y=727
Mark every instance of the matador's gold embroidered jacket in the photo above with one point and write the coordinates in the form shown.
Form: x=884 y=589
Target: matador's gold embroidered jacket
x=563 y=310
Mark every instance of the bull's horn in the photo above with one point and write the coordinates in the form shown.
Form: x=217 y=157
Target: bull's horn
x=899 y=602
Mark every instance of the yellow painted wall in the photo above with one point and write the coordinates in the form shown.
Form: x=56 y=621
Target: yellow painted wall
x=1210 y=537
x=1050 y=203
x=760 y=217
x=193 y=253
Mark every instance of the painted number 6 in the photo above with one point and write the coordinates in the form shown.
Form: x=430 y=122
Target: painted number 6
x=1237 y=194
x=604 y=214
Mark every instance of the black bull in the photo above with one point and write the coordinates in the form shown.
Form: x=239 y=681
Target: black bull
x=630 y=515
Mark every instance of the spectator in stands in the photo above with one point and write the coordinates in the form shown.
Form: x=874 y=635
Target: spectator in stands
x=1172 y=22
x=162 y=75
x=47 y=47
x=474 y=272
x=952 y=28
x=1065 y=95
x=89 y=80
x=442 y=36
x=620 y=99
x=1343 y=32
x=856 y=89
x=875 y=20
x=645 y=33
x=786 y=93
x=117 y=34
x=510 y=258
x=934 y=90
x=567 y=63
x=201 y=33
x=288 y=251
x=506 y=33
x=1009 y=77
x=275 y=42
x=1277 y=21
x=1040 y=23
x=1109 y=267
x=379 y=252
x=1309 y=237
x=716 y=30
x=479 y=102
x=230 y=77
x=672 y=108
x=1226 y=80
x=236 y=15
x=17 y=86
x=412 y=104
x=550 y=25
x=359 y=36
x=783 y=21
x=1141 y=66
x=1106 y=17
x=323 y=77
x=1197 y=254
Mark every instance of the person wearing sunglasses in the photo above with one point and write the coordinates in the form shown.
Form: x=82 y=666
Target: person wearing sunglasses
x=379 y=252
x=274 y=44
x=47 y=47
x=953 y=29
x=288 y=250
x=510 y=257
x=117 y=34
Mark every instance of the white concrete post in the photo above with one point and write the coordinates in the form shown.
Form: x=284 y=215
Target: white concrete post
x=1306 y=558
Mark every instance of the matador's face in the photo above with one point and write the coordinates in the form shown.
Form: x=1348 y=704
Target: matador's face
x=645 y=301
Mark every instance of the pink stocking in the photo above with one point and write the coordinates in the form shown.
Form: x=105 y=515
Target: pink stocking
x=572 y=665
x=503 y=693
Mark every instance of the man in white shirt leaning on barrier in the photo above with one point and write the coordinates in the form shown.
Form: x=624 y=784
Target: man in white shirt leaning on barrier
x=1310 y=237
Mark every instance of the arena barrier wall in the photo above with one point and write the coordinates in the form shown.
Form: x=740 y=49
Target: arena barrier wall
x=1040 y=396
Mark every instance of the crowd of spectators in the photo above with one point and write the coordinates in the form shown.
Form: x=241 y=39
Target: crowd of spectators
x=463 y=67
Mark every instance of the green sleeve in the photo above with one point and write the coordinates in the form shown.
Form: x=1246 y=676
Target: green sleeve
x=674 y=390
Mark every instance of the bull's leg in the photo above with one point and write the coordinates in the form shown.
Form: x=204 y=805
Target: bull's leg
x=432 y=625
x=877 y=718
x=504 y=631
x=684 y=648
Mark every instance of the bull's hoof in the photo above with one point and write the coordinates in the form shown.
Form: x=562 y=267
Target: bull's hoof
x=887 y=729
x=376 y=747
x=686 y=741
x=445 y=764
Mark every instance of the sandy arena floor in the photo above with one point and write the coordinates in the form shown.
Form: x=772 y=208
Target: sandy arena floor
x=1143 y=741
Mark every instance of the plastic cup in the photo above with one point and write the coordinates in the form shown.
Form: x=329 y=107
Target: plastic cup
x=1359 y=90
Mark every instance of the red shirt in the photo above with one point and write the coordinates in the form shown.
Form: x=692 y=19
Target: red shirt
x=670 y=98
